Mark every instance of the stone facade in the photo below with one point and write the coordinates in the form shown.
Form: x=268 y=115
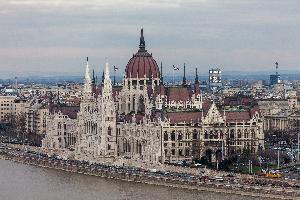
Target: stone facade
x=97 y=120
x=61 y=132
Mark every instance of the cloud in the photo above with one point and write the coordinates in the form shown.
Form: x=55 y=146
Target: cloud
x=57 y=34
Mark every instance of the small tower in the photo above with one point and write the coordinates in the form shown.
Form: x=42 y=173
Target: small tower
x=87 y=88
x=197 y=84
x=142 y=45
x=161 y=81
x=184 y=78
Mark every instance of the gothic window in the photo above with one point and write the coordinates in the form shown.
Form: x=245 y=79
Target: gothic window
x=141 y=105
x=133 y=102
x=239 y=133
x=211 y=134
x=180 y=152
x=195 y=134
x=187 y=135
x=166 y=136
x=180 y=136
x=231 y=133
x=205 y=134
x=173 y=136
x=173 y=152
x=108 y=147
x=109 y=131
x=216 y=133
x=221 y=134
x=59 y=125
x=187 y=152
x=246 y=133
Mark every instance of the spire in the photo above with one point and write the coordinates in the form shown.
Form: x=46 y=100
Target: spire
x=142 y=41
x=102 y=77
x=276 y=68
x=93 y=79
x=107 y=86
x=87 y=79
x=161 y=73
x=184 y=78
x=197 y=79
x=106 y=76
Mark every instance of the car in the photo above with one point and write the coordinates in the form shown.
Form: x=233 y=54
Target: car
x=197 y=165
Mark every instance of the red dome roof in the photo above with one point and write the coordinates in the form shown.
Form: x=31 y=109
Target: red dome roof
x=142 y=63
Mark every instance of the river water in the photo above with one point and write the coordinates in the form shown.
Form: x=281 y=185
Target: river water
x=24 y=182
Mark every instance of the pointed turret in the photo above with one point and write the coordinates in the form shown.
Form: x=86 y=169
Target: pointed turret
x=94 y=83
x=87 y=88
x=196 y=78
x=184 y=78
x=107 y=87
x=161 y=81
x=197 y=84
x=102 y=79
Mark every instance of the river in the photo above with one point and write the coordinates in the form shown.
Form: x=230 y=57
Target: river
x=25 y=182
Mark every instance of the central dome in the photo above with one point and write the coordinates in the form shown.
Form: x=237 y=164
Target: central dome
x=142 y=64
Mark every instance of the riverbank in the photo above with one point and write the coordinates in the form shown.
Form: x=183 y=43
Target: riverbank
x=228 y=185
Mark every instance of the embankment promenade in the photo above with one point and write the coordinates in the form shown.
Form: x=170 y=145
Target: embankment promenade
x=259 y=187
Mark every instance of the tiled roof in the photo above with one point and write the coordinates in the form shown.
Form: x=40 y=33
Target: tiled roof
x=70 y=111
x=187 y=117
x=179 y=93
x=141 y=64
x=237 y=116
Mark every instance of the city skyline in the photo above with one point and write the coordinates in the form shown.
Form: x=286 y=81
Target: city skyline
x=56 y=36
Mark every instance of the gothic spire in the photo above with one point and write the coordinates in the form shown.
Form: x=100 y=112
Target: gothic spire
x=184 y=78
x=142 y=41
x=161 y=74
x=87 y=79
x=196 y=79
x=102 y=79
x=106 y=76
x=107 y=86
x=93 y=79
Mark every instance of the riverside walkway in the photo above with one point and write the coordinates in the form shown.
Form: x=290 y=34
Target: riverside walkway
x=257 y=187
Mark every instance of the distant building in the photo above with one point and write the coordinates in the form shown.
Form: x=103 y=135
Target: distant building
x=275 y=78
x=11 y=105
x=36 y=119
x=215 y=79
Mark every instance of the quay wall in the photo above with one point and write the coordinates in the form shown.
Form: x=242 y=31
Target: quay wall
x=200 y=185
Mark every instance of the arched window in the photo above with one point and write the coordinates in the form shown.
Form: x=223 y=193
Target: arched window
x=187 y=135
x=239 y=133
x=231 y=133
x=141 y=106
x=173 y=136
x=109 y=131
x=180 y=136
x=166 y=136
x=205 y=134
x=195 y=134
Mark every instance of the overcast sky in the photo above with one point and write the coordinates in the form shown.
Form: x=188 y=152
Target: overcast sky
x=57 y=35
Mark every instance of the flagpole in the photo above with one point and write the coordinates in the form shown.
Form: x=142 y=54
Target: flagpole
x=173 y=75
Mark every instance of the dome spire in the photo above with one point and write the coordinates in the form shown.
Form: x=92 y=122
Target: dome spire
x=142 y=41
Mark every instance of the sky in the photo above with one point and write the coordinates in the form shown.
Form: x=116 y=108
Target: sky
x=55 y=36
